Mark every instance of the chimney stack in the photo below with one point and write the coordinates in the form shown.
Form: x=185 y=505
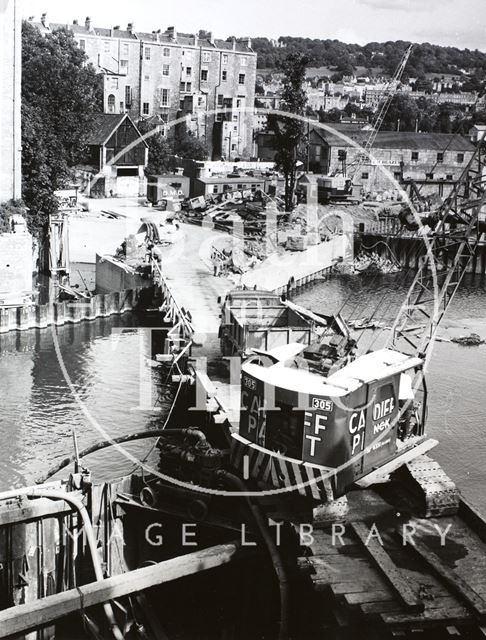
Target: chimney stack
x=75 y=22
x=172 y=33
x=87 y=23
x=44 y=20
x=130 y=27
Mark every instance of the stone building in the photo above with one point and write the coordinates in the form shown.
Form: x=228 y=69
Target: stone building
x=433 y=160
x=10 y=77
x=169 y=75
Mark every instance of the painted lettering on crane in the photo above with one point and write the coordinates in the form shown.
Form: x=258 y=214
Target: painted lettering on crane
x=317 y=422
x=381 y=415
x=357 y=429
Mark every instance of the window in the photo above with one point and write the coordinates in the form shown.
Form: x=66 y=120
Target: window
x=415 y=155
x=125 y=49
x=241 y=78
x=128 y=97
x=204 y=75
x=182 y=87
x=397 y=175
x=429 y=176
x=449 y=177
x=238 y=103
x=165 y=97
x=188 y=86
x=106 y=47
x=460 y=157
x=219 y=117
x=82 y=45
x=440 y=158
x=215 y=188
x=146 y=108
x=165 y=118
x=224 y=75
x=114 y=83
x=146 y=78
x=147 y=53
x=166 y=52
x=225 y=58
x=206 y=56
x=188 y=71
x=199 y=102
x=365 y=175
x=235 y=128
x=244 y=61
x=220 y=100
x=111 y=103
x=124 y=64
x=233 y=147
x=165 y=69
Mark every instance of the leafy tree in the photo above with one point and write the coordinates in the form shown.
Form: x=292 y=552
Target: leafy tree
x=161 y=153
x=289 y=131
x=186 y=145
x=60 y=95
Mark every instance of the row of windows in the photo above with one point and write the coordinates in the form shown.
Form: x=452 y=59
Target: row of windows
x=397 y=175
x=239 y=187
x=206 y=55
x=440 y=157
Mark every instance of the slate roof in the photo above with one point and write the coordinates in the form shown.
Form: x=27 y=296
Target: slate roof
x=104 y=126
x=186 y=39
x=400 y=140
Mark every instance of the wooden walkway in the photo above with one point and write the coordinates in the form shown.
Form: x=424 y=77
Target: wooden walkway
x=387 y=571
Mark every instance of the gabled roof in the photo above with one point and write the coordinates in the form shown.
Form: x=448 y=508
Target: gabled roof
x=105 y=125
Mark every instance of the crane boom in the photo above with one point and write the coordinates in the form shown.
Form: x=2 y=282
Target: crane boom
x=389 y=93
x=451 y=247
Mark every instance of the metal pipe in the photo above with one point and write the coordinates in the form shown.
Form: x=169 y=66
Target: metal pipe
x=139 y=435
x=272 y=549
x=52 y=494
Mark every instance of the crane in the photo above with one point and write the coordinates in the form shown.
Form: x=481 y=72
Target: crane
x=323 y=429
x=389 y=93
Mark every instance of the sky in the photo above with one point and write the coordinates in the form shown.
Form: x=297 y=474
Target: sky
x=460 y=23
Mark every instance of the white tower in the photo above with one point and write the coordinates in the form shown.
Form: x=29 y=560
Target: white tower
x=10 y=79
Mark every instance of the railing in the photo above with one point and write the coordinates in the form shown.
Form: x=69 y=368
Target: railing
x=180 y=335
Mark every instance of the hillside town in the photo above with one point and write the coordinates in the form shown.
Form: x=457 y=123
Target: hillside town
x=242 y=323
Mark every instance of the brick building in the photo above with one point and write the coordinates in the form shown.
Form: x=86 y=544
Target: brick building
x=170 y=75
x=434 y=160
x=10 y=76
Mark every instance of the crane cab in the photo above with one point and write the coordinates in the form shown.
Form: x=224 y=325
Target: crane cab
x=303 y=430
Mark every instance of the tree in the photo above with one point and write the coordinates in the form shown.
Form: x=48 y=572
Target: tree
x=60 y=95
x=161 y=154
x=186 y=145
x=289 y=131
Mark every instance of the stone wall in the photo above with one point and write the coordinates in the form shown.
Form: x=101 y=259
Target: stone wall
x=16 y=267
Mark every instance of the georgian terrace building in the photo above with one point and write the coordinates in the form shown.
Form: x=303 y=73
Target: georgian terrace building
x=169 y=75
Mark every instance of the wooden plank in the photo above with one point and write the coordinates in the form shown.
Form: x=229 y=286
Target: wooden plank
x=353 y=599
x=430 y=617
x=340 y=588
x=390 y=571
x=376 y=609
x=27 y=617
x=33 y=510
x=455 y=583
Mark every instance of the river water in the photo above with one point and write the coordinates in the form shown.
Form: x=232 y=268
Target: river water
x=102 y=360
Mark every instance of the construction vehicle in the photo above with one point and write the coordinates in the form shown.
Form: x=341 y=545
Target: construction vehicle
x=320 y=428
